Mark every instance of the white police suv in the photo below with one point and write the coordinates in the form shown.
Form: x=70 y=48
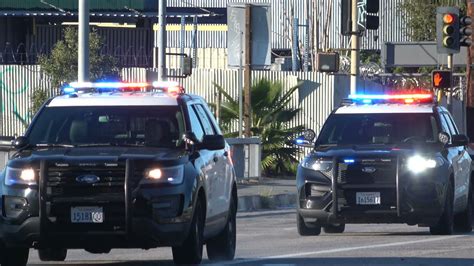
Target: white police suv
x=119 y=165
x=386 y=159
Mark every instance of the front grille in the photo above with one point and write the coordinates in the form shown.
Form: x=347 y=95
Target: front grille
x=85 y=184
x=367 y=175
x=368 y=171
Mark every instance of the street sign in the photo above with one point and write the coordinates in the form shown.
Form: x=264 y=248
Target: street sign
x=441 y=79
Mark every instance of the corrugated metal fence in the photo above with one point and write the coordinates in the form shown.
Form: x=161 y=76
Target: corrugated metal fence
x=316 y=96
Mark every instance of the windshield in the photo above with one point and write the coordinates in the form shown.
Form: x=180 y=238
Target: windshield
x=158 y=126
x=367 y=129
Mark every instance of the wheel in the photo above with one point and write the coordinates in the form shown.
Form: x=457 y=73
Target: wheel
x=304 y=229
x=52 y=254
x=334 y=228
x=463 y=221
x=13 y=256
x=190 y=252
x=222 y=247
x=445 y=225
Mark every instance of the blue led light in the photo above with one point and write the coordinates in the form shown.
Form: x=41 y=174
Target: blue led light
x=349 y=161
x=367 y=101
x=69 y=90
x=299 y=141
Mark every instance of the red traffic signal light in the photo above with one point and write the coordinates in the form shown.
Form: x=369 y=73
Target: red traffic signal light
x=449 y=18
x=448 y=30
x=441 y=79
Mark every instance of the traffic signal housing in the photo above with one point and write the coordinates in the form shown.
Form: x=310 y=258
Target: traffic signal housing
x=441 y=79
x=368 y=18
x=466 y=31
x=448 y=30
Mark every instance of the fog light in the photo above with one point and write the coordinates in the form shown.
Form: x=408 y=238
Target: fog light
x=14 y=206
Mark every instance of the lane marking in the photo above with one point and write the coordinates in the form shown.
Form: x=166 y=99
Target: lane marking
x=337 y=250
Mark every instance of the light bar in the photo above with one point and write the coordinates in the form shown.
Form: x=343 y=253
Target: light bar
x=108 y=85
x=391 y=98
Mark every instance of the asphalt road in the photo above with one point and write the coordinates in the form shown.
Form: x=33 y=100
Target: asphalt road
x=270 y=238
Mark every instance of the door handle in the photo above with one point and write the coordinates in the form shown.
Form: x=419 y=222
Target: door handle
x=215 y=159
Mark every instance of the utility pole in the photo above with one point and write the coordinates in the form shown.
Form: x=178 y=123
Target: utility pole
x=449 y=94
x=470 y=82
x=162 y=75
x=247 y=77
x=83 y=49
x=354 y=47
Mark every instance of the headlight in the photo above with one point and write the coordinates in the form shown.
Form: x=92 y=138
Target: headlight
x=171 y=175
x=418 y=164
x=16 y=176
x=317 y=164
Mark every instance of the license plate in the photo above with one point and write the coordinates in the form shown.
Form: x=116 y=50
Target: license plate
x=93 y=215
x=368 y=198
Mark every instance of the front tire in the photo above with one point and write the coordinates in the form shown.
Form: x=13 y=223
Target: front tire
x=13 y=256
x=305 y=230
x=222 y=247
x=445 y=225
x=463 y=221
x=334 y=228
x=190 y=252
x=52 y=254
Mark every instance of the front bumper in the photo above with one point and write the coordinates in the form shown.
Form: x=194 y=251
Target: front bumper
x=412 y=199
x=145 y=216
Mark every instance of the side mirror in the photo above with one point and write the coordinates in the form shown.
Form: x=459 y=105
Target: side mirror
x=213 y=142
x=444 y=138
x=6 y=143
x=459 y=140
x=306 y=139
x=20 y=142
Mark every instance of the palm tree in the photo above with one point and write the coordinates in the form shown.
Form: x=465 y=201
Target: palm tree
x=270 y=116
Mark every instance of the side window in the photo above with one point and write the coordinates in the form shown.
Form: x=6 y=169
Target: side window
x=450 y=124
x=451 y=121
x=208 y=129
x=196 y=126
x=444 y=124
x=211 y=117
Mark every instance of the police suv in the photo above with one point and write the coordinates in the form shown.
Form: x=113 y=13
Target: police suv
x=386 y=159
x=119 y=165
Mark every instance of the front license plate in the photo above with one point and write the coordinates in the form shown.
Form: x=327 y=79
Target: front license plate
x=368 y=198
x=93 y=215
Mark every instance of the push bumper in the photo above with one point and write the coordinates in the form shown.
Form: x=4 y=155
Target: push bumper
x=417 y=199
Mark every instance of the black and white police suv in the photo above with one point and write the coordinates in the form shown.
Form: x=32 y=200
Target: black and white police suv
x=386 y=159
x=119 y=165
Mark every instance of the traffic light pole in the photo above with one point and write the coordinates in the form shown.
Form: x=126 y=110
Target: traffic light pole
x=449 y=94
x=354 y=47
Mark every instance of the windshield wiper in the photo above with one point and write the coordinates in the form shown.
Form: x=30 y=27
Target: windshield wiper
x=53 y=145
x=95 y=145
x=128 y=145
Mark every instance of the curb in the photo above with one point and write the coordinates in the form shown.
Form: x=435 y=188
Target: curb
x=256 y=202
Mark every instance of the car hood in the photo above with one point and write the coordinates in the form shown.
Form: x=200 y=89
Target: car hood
x=98 y=154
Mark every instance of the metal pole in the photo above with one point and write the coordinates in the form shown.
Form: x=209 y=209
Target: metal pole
x=162 y=40
x=449 y=94
x=183 y=38
x=83 y=49
x=241 y=87
x=354 y=48
x=306 y=48
x=195 y=30
x=294 y=53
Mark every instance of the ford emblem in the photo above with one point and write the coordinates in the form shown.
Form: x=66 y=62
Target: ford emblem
x=88 y=179
x=369 y=170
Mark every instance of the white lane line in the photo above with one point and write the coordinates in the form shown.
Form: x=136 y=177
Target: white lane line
x=337 y=250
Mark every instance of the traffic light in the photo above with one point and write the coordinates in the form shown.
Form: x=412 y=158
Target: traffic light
x=447 y=30
x=466 y=31
x=441 y=79
x=371 y=18
x=367 y=19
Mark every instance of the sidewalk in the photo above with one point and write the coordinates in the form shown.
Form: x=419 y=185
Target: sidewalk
x=266 y=193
